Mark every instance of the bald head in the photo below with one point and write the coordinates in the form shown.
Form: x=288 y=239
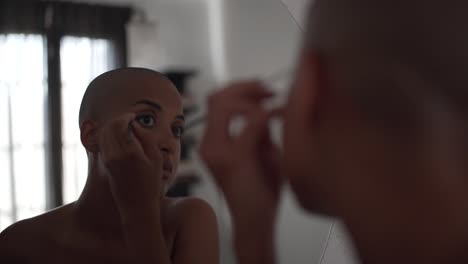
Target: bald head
x=109 y=90
x=394 y=49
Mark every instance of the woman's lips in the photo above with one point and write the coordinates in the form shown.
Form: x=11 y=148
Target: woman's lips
x=167 y=170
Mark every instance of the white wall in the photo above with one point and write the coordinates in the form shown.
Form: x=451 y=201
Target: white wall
x=181 y=37
x=261 y=37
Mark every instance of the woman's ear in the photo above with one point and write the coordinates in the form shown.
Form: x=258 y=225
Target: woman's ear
x=90 y=136
x=309 y=85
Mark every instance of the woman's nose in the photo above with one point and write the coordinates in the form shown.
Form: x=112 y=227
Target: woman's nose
x=168 y=143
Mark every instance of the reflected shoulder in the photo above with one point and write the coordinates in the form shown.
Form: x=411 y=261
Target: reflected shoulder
x=29 y=234
x=15 y=241
x=190 y=206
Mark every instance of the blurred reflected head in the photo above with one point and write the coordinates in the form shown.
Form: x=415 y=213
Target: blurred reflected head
x=380 y=93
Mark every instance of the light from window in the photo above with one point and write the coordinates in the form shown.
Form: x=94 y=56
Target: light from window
x=82 y=59
x=22 y=102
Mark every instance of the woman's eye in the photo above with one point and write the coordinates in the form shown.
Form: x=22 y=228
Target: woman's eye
x=146 y=120
x=178 y=131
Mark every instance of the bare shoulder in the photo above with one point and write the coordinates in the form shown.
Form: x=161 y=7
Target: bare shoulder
x=18 y=240
x=197 y=234
x=25 y=237
x=13 y=240
x=190 y=213
x=190 y=207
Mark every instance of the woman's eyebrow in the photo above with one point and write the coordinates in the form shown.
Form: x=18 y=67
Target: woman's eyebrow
x=158 y=107
x=150 y=103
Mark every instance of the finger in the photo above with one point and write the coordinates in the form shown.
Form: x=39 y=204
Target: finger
x=257 y=137
x=277 y=112
x=270 y=156
x=251 y=90
x=123 y=132
x=117 y=136
x=148 y=148
x=238 y=95
x=137 y=136
x=220 y=117
x=256 y=130
x=238 y=99
x=242 y=98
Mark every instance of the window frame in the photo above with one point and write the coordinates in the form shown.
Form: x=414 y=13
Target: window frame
x=54 y=20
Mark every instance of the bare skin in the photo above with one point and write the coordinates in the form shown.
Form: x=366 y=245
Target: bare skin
x=407 y=214
x=122 y=215
x=56 y=237
x=386 y=155
x=249 y=169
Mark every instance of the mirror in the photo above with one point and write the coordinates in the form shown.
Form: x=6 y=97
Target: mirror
x=201 y=44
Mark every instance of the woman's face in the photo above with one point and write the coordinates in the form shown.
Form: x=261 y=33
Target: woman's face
x=158 y=108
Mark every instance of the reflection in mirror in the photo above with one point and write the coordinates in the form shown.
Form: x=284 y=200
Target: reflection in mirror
x=201 y=45
x=82 y=59
x=22 y=101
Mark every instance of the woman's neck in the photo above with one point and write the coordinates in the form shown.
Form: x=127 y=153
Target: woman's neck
x=95 y=209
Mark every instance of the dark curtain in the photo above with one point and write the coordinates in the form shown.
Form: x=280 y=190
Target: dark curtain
x=93 y=21
x=67 y=18
x=21 y=17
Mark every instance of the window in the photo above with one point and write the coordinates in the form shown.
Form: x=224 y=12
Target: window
x=82 y=59
x=50 y=52
x=22 y=141
x=22 y=114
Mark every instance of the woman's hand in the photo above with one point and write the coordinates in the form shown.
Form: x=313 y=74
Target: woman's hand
x=134 y=172
x=245 y=166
